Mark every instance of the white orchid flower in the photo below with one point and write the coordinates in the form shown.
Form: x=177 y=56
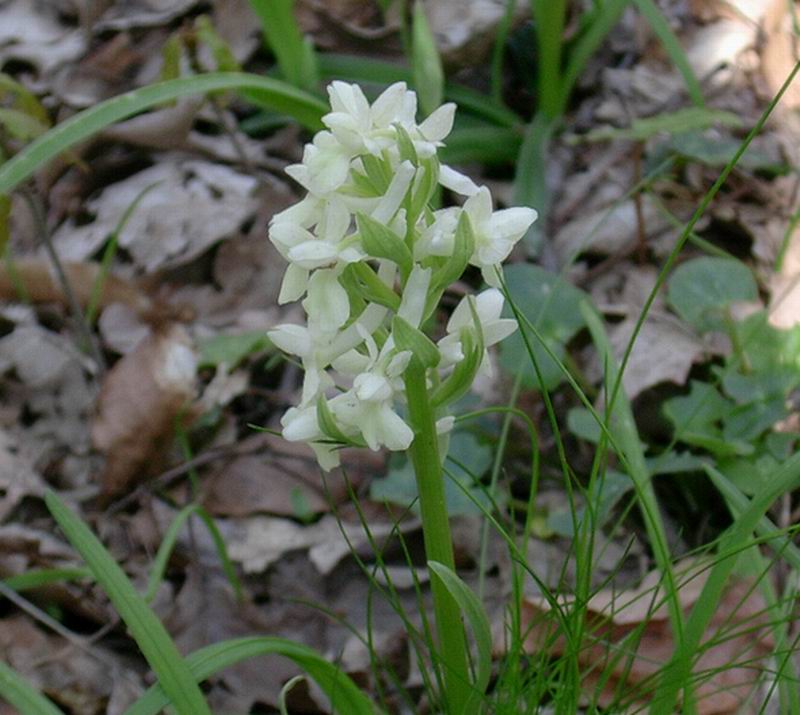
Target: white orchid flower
x=301 y=425
x=438 y=239
x=325 y=166
x=312 y=348
x=488 y=307
x=306 y=251
x=496 y=232
x=368 y=406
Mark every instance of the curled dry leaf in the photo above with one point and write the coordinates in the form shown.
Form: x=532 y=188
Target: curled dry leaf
x=634 y=623
x=142 y=398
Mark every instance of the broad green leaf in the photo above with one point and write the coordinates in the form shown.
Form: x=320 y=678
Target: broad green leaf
x=345 y=697
x=750 y=421
x=701 y=289
x=151 y=637
x=230 y=350
x=263 y=91
x=553 y=306
x=475 y=614
x=425 y=61
x=16 y=691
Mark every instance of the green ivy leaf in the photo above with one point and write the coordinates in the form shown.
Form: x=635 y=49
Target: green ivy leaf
x=551 y=304
x=701 y=289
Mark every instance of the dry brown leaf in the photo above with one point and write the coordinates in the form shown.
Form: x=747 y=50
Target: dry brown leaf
x=779 y=51
x=17 y=479
x=41 y=285
x=82 y=681
x=32 y=32
x=727 y=670
x=188 y=206
x=141 y=400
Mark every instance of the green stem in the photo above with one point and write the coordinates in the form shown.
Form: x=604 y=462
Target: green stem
x=438 y=540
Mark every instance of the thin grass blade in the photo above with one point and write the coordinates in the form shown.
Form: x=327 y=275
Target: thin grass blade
x=672 y=46
x=168 y=544
x=16 y=691
x=148 y=632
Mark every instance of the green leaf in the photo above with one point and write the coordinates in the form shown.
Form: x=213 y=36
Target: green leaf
x=21 y=125
x=405 y=146
x=662 y=29
x=16 y=691
x=425 y=61
x=264 y=91
x=475 y=613
x=682 y=120
x=295 y=56
x=702 y=288
x=171 y=53
x=153 y=640
x=407 y=337
x=551 y=304
x=23 y=99
x=697 y=419
x=379 y=241
x=345 y=697
x=363 y=279
x=717 y=152
x=230 y=350
x=36 y=578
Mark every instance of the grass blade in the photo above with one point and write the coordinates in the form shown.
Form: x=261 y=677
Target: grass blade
x=295 y=56
x=36 y=578
x=425 y=61
x=678 y=671
x=550 y=16
x=277 y=95
x=346 y=698
x=473 y=609
x=672 y=47
x=168 y=544
x=148 y=632
x=596 y=31
x=15 y=690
